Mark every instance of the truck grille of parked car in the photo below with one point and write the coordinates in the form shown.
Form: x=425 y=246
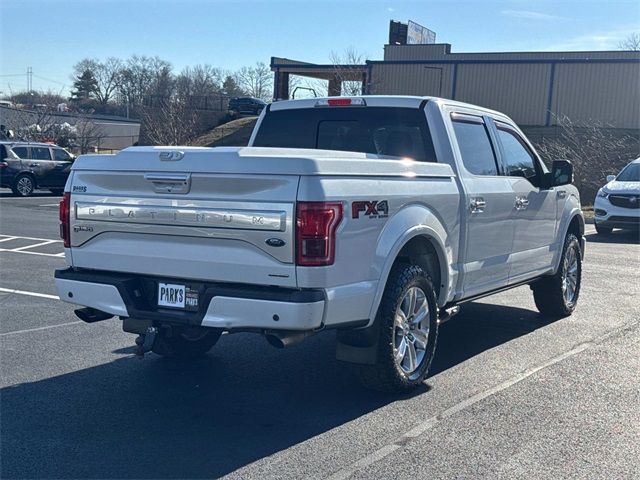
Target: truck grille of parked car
x=625 y=201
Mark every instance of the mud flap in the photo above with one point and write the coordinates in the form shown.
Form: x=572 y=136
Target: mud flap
x=358 y=346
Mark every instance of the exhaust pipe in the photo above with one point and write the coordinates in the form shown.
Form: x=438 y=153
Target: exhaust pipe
x=91 y=315
x=286 y=338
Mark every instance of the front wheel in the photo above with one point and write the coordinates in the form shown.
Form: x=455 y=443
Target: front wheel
x=408 y=327
x=186 y=343
x=557 y=295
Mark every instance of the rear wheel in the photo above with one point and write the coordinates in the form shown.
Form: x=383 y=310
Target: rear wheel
x=23 y=185
x=557 y=295
x=408 y=328
x=185 y=343
x=603 y=230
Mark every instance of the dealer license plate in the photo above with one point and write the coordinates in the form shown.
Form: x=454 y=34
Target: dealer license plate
x=171 y=295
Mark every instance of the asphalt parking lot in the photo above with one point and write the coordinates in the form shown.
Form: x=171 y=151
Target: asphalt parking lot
x=512 y=394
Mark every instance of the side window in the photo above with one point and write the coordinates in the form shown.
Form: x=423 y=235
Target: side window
x=22 y=152
x=475 y=147
x=518 y=160
x=3 y=152
x=40 y=153
x=60 y=155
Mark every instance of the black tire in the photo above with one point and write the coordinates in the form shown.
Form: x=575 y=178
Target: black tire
x=386 y=374
x=23 y=185
x=187 y=343
x=603 y=230
x=57 y=191
x=549 y=292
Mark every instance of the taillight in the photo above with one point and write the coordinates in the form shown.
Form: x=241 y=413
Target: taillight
x=316 y=224
x=341 y=102
x=65 y=228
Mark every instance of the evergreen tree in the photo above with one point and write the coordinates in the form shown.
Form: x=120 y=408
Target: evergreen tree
x=85 y=87
x=231 y=88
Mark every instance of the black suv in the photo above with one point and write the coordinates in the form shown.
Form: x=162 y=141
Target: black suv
x=247 y=105
x=25 y=166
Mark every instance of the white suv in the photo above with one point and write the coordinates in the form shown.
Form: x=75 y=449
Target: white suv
x=618 y=202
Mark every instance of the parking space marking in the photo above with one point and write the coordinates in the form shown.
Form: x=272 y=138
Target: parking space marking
x=30 y=294
x=39 y=242
x=16 y=332
x=50 y=205
x=10 y=237
x=20 y=249
x=429 y=423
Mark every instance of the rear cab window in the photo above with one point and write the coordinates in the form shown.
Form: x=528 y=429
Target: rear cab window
x=388 y=131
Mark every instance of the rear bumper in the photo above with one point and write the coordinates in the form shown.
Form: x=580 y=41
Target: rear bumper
x=221 y=305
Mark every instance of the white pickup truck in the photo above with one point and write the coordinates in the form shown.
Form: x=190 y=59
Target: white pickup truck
x=375 y=216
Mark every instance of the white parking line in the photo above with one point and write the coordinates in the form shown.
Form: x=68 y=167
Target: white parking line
x=15 y=332
x=10 y=237
x=19 y=249
x=50 y=205
x=40 y=242
x=30 y=294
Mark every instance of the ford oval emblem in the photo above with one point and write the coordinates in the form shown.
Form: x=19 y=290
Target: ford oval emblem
x=275 y=242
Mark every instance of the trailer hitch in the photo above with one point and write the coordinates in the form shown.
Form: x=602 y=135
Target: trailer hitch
x=145 y=341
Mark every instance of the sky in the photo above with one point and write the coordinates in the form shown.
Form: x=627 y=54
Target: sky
x=50 y=36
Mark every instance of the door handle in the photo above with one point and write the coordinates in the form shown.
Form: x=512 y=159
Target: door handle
x=477 y=205
x=522 y=203
x=33 y=165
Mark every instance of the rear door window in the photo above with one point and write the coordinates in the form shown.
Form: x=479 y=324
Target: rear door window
x=40 y=153
x=475 y=147
x=388 y=131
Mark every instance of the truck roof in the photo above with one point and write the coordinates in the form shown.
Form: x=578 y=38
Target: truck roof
x=406 y=101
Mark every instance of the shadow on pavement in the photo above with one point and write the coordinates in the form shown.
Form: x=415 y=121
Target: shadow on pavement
x=7 y=193
x=617 y=236
x=160 y=419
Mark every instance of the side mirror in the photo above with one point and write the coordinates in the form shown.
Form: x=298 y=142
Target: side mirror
x=610 y=178
x=561 y=174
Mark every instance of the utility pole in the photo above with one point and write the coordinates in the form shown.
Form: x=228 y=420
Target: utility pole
x=29 y=79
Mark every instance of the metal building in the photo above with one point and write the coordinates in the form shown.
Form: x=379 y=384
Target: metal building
x=533 y=88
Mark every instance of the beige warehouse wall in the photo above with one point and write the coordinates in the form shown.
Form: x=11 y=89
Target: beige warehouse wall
x=411 y=79
x=608 y=93
x=519 y=90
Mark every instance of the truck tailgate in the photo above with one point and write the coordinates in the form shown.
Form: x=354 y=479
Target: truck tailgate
x=184 y=224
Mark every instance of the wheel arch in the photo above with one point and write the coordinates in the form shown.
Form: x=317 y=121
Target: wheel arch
x=423 y=242
x=573 y=222
x=27 y=173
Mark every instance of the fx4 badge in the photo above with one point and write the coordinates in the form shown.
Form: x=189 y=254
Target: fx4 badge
x=373 y=209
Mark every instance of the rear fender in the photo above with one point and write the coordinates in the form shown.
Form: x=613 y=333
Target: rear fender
x=411 y=222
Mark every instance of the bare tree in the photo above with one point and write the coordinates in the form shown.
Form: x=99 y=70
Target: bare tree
x=106 y=73
x=632 y=42
x=88 y=135
x=345 y=72
x=172 y=123
x=595 y=149
x=256 y=81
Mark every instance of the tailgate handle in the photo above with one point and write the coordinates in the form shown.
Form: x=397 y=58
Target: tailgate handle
x=169 y=182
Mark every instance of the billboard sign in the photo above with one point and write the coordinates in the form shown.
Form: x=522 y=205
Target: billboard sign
x=419 y=35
